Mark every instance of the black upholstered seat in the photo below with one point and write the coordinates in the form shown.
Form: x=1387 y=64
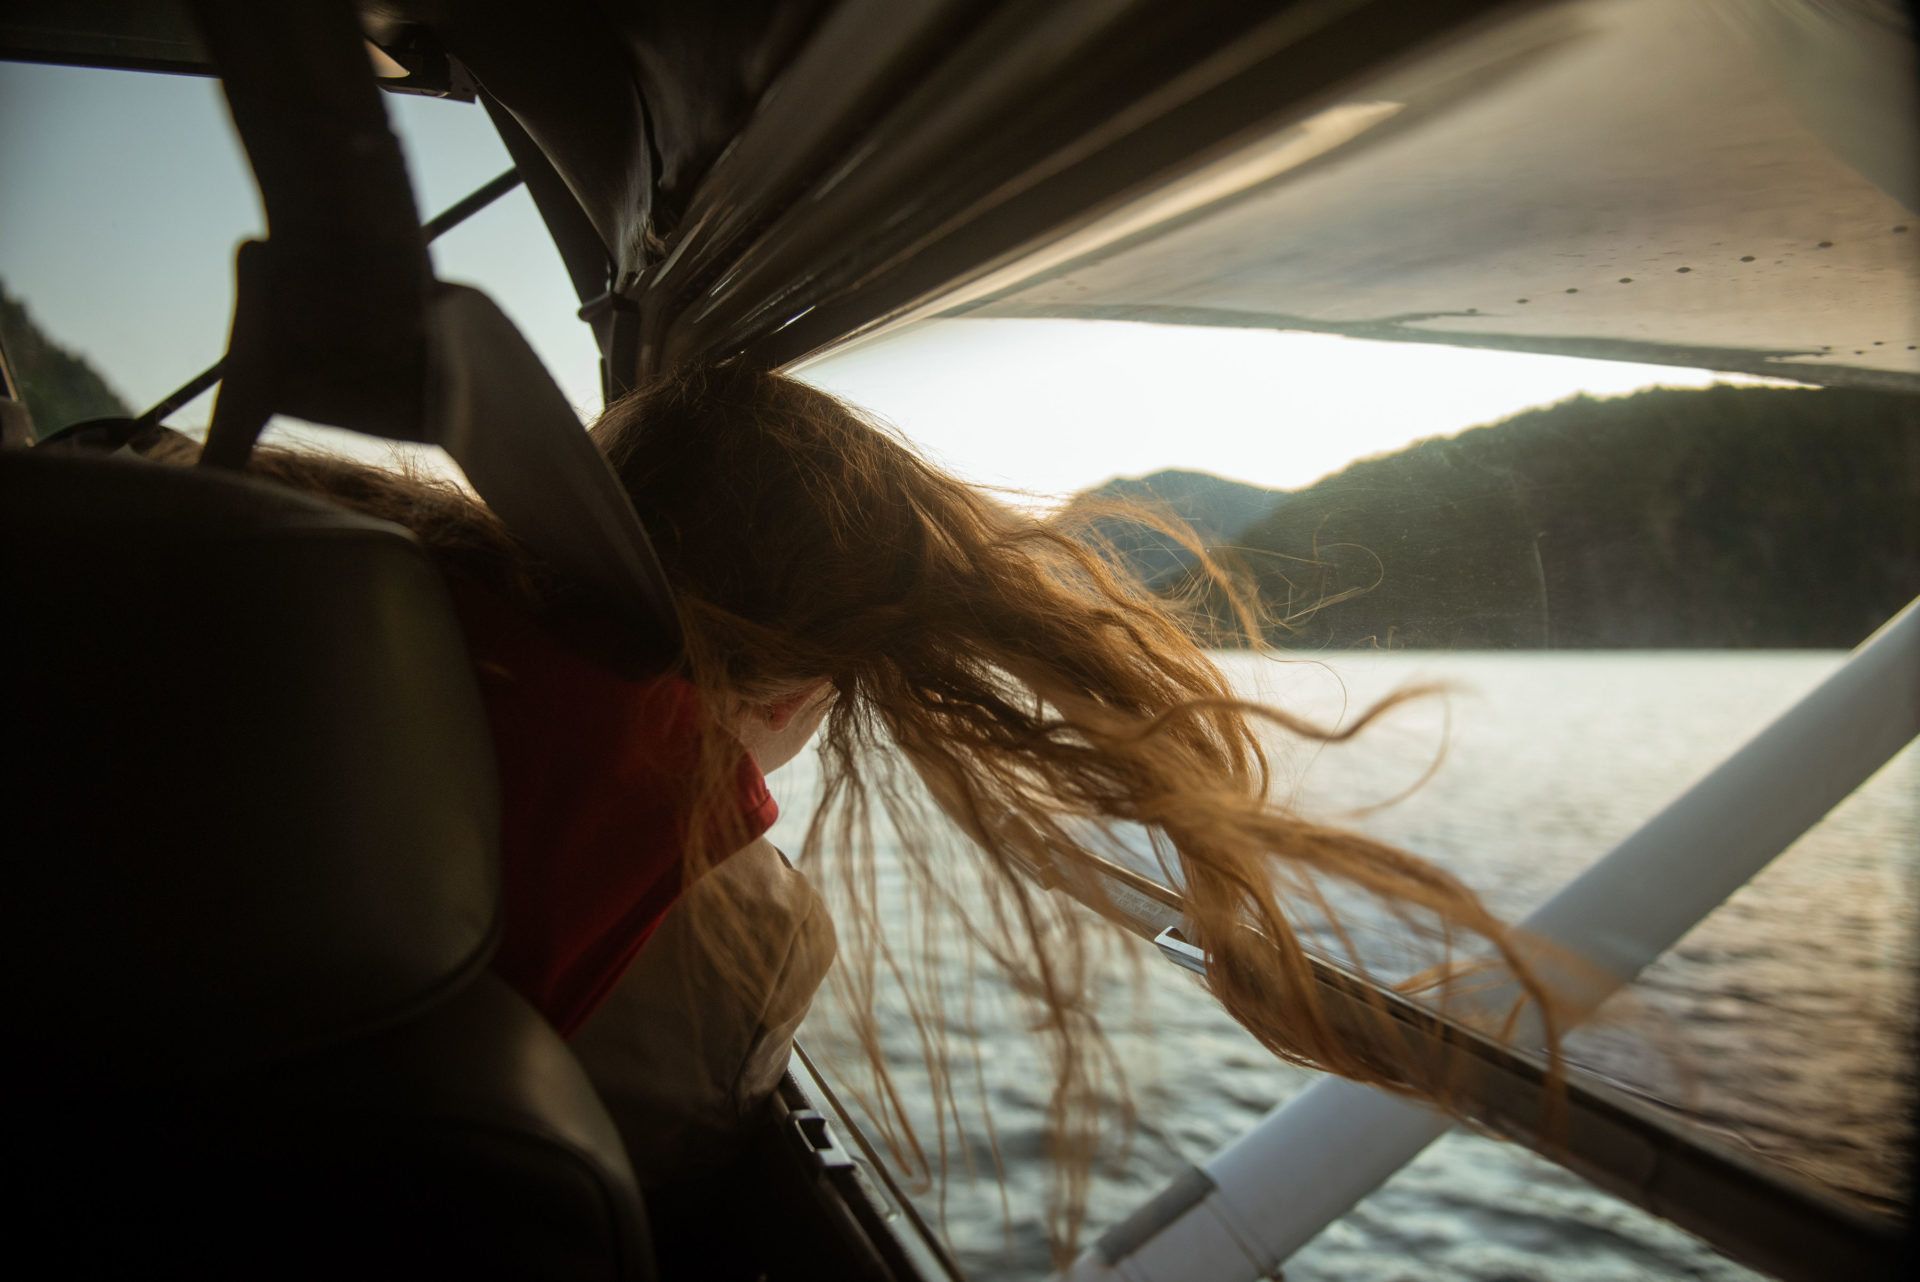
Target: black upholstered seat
x=251 y=889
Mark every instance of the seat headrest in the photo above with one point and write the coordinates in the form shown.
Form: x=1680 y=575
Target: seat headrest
x=258 y=811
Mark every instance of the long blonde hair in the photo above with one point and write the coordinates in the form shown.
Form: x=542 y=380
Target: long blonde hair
x=1040 y=699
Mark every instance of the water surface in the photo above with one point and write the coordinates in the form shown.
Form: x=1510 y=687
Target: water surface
x=1782 y=1021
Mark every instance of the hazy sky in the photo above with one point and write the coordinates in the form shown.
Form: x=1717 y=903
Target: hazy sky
x=1056 y=406
x=124 y=195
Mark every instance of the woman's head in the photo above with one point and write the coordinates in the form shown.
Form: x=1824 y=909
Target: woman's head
x=805 y=540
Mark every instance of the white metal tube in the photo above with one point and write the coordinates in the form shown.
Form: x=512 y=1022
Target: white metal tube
x=1311 y=1160
x=1633 y=905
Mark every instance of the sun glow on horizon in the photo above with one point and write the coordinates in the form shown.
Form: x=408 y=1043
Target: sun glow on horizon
x=1052 y=407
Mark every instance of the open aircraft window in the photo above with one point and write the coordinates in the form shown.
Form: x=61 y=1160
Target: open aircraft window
x=126 y=198
x=117 y=243
x=1619 y=583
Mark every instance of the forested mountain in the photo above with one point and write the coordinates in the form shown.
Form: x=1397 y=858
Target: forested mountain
x=1722 y=517
x=58 y=386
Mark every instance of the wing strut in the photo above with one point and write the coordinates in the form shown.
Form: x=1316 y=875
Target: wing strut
x=1259 y=1200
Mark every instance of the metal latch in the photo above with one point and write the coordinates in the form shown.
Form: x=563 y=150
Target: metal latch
x=815 y=1139
x=1180 y=951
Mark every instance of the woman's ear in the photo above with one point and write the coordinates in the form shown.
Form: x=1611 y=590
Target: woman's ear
x=776 y=731
x=782 y=710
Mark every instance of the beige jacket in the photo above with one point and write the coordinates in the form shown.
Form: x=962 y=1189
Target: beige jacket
x=683 y=1061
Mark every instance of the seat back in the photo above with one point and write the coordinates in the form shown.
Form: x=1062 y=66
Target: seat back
x=252 y=886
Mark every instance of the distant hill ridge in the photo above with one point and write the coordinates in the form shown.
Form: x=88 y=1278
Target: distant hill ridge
x=58 y=386
x=1216 y=507
x=1217 y=510
x=1724 y=517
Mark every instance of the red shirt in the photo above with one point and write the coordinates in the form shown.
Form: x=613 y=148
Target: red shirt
x=595 y=790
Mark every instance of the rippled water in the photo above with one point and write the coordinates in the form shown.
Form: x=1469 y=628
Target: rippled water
x=1783 y=1020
